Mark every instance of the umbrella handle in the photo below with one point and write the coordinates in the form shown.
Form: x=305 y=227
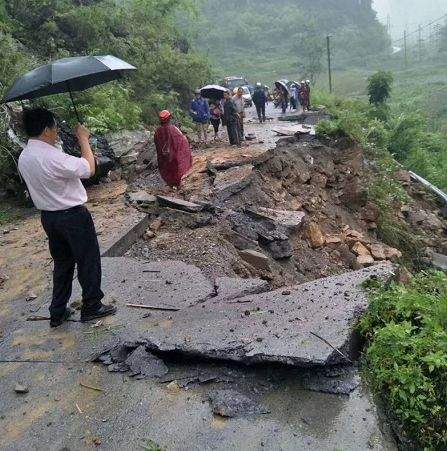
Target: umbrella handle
x=72 y=101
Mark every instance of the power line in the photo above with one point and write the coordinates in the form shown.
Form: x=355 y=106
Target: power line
x=422 y=27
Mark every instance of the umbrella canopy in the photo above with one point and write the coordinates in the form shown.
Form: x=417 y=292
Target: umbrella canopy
x=213 y=91
x=281 y=85
x=67 y=75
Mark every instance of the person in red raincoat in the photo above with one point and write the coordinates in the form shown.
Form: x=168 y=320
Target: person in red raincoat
x=173 y=151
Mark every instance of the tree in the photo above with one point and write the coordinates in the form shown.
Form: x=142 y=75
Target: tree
x=310 y=47
x=379 y=87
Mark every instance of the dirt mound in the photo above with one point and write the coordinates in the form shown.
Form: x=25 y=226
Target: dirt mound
x=322 y=187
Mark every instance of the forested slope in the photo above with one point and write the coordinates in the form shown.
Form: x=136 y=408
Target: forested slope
x=267 y=39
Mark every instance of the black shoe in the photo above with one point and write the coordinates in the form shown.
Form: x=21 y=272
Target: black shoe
x=104 y=310
x=57 y=321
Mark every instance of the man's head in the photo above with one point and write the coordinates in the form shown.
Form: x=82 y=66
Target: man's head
x=41 y=124
x=240 y=92
x=198 y=94
x=227 y=95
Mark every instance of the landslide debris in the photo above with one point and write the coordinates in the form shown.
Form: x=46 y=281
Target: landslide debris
x=291 y=214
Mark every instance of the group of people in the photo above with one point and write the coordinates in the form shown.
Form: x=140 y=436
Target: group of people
x=299 y=96
x=54 y=178
x=229 y=111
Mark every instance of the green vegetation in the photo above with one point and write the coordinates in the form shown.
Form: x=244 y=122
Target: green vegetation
x=379 y=87
x=406 y=358
x=402 y=131
x=146 y=33
x=8 y=214
x=267 y=40
x=370 y=126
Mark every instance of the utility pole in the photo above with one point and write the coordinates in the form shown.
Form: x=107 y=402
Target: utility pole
x=420 y=42
x=405 y=49
x=388 y=23
x=329 y=62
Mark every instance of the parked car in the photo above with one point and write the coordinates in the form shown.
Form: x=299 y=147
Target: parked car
x=247 y=95
x=234 y=82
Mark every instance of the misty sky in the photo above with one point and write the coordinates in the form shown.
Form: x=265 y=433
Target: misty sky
x=408 y=14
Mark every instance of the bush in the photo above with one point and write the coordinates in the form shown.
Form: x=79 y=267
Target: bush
x=406 y=358
x=379 y=87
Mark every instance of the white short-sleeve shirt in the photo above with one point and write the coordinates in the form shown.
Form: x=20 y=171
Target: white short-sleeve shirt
x=53 y=178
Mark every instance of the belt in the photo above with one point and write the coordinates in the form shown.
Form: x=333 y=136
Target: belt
x=68 y=210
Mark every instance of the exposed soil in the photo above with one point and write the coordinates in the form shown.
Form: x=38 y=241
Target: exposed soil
x=326 y=182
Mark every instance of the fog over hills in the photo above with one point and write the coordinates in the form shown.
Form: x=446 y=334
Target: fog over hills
x=408 y=14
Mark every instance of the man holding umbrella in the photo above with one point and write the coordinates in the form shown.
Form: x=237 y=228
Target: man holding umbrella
x=53 y=179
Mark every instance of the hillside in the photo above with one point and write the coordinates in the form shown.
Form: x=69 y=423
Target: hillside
x=267 y=40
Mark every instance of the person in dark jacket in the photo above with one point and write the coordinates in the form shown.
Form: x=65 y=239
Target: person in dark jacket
x=260 y=99
x=200 y=114
x=231 y=119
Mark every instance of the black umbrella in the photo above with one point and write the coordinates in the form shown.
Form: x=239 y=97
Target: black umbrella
x=67 y=75
x=282 y=86
x=213 y=91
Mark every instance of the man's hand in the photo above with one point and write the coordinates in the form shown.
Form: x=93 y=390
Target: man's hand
x=82 y=133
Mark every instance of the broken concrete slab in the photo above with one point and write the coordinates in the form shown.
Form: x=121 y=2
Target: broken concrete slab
x=141 y=198
x=143 y=363
x=230 y=288
x=292 y=130
x=334 y=380
x=256 y=259
x=274 y=328
x=179 y=204
x=166 y=283
x=289 y=219
x=232 y=181
x=230 y=403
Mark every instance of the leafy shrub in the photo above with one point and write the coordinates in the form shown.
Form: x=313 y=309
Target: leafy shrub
x=105 y=108
x=406 y=358
x=379 y=87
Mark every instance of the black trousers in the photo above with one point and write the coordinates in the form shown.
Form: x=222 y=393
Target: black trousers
x=72 y=241
x=260 y=109
x=233 y=133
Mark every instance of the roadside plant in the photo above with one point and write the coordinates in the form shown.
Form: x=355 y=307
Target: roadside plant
x=406 y=357
x=379 y=87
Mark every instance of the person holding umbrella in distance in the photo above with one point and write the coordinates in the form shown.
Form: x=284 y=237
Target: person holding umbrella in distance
x=54 y=178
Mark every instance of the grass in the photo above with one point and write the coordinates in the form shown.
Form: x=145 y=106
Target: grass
x=9 y=214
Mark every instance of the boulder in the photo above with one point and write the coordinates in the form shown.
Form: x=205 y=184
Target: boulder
x=280 y=250
x=124 y=142
x=360 y=250
x=378 y=251
x=314 y=235
x=365 y=260
x=392 y=254
x=333 y=239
